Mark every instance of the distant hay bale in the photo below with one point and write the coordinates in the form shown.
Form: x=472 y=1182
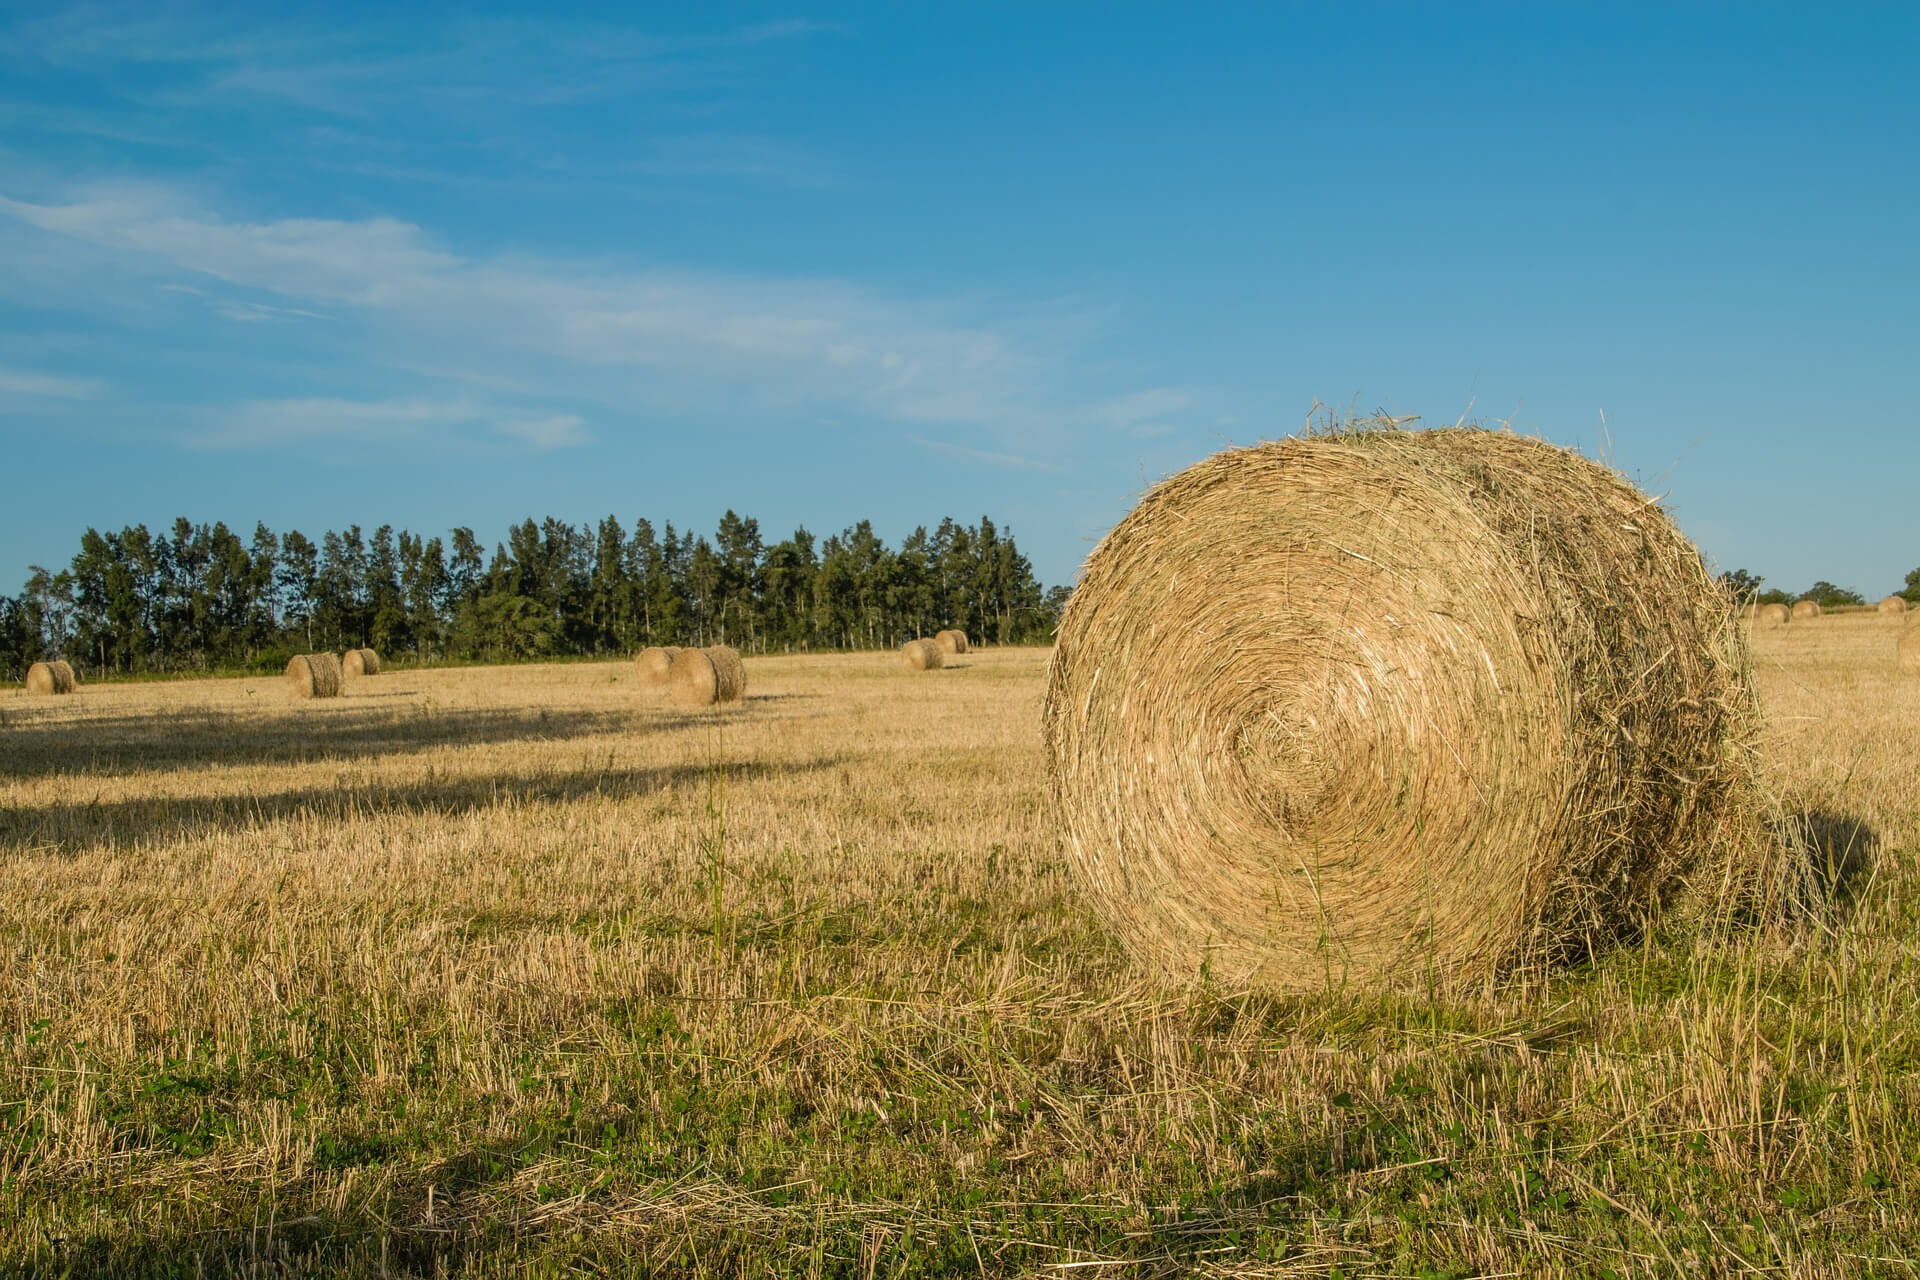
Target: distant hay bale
x=653 y=664
x=1772 y=615
x=951 y=642
x=1803 y=609
x=51 y=677
x=922 y=655
x=314 y=675
x=1906 y=651
x=707 y=677
x=360 y=662
x=1381 y=706
x=1893 y=604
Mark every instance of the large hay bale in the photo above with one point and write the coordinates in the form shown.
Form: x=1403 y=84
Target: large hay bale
x=360 y=662
x=953 y=642
x=51 y=677
x=1771 y=615
x=653 y=664
x=1893 y=604
x=314 y=675
x=1906 y=651
x=922 y=655
x=707 y=677
x=1803 y=609
x=1381 y=706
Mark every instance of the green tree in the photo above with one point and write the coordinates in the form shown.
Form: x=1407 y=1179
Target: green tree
x=1828 y=596
x=1740 y=585
x=299 y=577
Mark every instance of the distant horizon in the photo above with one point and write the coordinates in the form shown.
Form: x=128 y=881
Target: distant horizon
x=372 y=266
x=1870 y=592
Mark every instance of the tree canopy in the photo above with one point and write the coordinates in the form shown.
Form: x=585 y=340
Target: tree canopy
x=199 y=597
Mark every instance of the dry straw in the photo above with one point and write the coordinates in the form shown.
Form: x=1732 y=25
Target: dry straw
x=51 y=677
x=1906 y=651
x=653 y=664
x=314 y=675
x=707 y=677
x=951 y=642
x=1806 y=609
x=360 y=662
x=1771 y=615
x=1893 y=604
x=1386 y=706
x=922 y=655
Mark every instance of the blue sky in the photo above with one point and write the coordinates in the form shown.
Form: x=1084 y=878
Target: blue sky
x=905 y=261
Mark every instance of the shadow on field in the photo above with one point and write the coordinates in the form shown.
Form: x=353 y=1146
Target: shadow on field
x=311 y=733
x=1830 y=858
x=318 y=1245
x=79 y=823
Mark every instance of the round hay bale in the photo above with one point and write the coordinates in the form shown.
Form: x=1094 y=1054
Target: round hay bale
x=1893 y=605
x=952 y=642
x=1906 y=651
x=1803 y=609
x=1772 y=615
x=51 y=677
x=360 y=662
x=922 y=655
x=707 y=677
x=1382 y=706
x=653 y=664
x=314 y=675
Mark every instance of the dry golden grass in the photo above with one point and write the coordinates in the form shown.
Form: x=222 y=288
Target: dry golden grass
x=510 y=971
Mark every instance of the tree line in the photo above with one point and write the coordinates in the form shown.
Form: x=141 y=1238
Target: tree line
x=1751 y=588
x=199 y=597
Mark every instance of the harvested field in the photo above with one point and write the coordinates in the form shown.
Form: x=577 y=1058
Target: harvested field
x=486 y=972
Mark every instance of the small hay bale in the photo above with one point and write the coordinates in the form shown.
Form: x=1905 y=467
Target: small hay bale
x=314 y=675
x=653 y=664
x=1381 y=706
x=51 y=677
x=707 y=677
x=1772 y=615
x=1893 y=604
x=951 y=642
x=922 y=655
x=360 y=662
x=1803 y=609
x=1906 y=651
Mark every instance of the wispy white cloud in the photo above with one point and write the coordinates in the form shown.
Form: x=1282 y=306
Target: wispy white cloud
x=816 y=342
x=16 y=382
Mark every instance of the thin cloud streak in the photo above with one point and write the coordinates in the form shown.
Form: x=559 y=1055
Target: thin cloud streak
x=267 y=424
x=1009 y=461
x=48 y=386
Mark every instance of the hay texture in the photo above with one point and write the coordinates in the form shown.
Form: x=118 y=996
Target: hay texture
x=653 y=664
x=360 y=662
x=314 y=675
x=1906 y=652
x=1893 y=604
x=922 y=655
x=1771 y=615
x=1804 y=609
x=1380 y=706
x=707 y=677
x=51 y=677
x=951 y=642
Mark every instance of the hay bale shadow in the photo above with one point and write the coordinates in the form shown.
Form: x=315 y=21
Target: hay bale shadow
x=1826 y=859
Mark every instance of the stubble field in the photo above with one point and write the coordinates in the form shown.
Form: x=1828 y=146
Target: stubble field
x=521 y=971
